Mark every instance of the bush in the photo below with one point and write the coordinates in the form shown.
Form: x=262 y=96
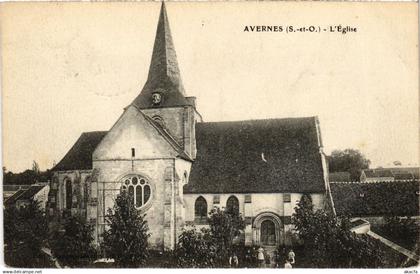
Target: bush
x=404 y=231
x=25 y=233
x=195 y=249
x=126 y=240
x=73 y=246
x=376 y=199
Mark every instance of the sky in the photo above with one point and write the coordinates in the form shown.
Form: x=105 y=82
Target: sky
x=68 y=68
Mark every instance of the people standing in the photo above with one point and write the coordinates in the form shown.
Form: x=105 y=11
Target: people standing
x=260 y=257
x=233 y=260
x=291 y=256
x=287 y=264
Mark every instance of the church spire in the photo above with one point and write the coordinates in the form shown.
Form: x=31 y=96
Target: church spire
x=164 y=85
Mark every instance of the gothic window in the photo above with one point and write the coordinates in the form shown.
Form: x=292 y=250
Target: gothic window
x=138 y=189
x=69 y=193
x=232 y=205
x=200 y=209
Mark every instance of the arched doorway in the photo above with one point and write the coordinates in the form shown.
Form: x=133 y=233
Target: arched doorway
x=268 y=233
x=267 y=230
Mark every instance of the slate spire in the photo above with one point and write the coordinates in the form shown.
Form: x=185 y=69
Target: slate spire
x=164 y=76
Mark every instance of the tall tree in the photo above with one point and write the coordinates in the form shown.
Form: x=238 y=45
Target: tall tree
x=73 y=246
x=126 y=240
x=350 y=160
x=35 y=167
x=25 y=233
x=225 y=226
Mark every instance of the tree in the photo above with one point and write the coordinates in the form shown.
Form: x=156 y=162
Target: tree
x=125 y=240
x=195 y=249
x=35 y=167
x=25 y=233
x=349 y=160
x=225 y=226
x=73 y=245
x=328 y=241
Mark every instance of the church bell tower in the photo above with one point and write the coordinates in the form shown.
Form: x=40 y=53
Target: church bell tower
x=163 y=97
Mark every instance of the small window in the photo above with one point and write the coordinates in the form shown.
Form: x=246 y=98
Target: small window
x=286 y=198
x=159 y=121
x=248 y=198
x=133 y=152
x=216 y=199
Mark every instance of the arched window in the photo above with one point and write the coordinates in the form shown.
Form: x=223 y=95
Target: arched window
x=86 y=192
x=69 y=194
x=138 y=188
x=200 y=209
x=232 y=205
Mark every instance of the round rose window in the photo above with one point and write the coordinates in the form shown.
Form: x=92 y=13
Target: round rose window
x=138 y=188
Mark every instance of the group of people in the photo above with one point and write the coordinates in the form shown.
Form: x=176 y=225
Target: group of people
x=263 y=258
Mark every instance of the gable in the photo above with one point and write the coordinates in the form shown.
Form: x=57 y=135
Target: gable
x=260 y=156
x=135 y=130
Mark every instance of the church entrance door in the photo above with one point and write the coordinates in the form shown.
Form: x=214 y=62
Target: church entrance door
x=268 y=233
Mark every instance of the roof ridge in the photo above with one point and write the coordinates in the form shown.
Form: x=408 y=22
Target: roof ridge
x=262 y=119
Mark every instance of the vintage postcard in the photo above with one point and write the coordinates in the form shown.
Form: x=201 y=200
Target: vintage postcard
x=210 y=135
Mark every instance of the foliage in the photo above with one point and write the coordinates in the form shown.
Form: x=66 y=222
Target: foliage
x=403 y=231
x=125 y=240
x=35 y=167
x=350 y=160
x=211 y=247
x=25 y=233
x=26 y=177
x=195 y=249
x=376 y=199
x=328 y=241
x=73 y=246
x=225 y=226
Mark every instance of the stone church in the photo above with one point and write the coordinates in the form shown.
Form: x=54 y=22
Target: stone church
x=177 y=167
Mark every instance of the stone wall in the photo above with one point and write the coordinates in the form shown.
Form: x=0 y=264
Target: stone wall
x=277 y=206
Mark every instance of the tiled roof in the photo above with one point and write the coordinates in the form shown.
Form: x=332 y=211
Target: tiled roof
x=80 y=155
x=12 y=199
x=29 y=193
x=24 y=194
x=258 y=156
x=378 y=173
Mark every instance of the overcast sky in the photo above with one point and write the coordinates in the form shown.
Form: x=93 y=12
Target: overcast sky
x=73 y=67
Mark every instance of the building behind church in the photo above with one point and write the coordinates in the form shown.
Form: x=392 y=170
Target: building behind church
x=178 y=167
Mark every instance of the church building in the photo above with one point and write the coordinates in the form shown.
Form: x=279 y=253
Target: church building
x=178 y=167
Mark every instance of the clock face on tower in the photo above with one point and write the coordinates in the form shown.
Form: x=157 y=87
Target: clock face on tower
x=156 y=98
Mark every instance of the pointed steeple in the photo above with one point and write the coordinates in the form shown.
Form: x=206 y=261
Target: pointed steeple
x=164 y=78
